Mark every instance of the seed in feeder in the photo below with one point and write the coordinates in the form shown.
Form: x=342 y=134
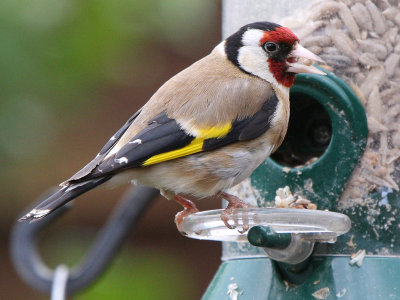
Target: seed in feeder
x=362 y=16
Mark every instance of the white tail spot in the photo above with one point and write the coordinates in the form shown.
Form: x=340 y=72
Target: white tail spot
x=122 y=160
x=137 y=141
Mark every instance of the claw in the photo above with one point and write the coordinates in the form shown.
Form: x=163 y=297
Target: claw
x=180 y=216
x=189 y=208
x=233 y=204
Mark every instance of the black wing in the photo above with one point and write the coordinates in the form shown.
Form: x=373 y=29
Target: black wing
x=165 y=138
x=86 y=170
x=246 y=129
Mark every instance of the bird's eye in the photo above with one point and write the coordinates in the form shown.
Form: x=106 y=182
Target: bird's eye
x=270 y=47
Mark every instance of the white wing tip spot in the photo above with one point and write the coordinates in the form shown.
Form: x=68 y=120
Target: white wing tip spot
x=137 y=141
x=36 y=214
x=122 y=160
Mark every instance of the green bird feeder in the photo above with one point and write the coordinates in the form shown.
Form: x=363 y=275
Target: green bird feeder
x=347 y=248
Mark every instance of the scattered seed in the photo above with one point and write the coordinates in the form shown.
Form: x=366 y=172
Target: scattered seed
x=339 y=61
x=391 y=35
x=369 y=60
x=359 y=93
x=357 y=258
x=351 y=243
x=390 y=12
x=344 y=43
x=322 y=293
x=364 y=34
x=287 y=285
x=360 y=42
x=397 y=19
x=307 y=30
x=391 y=64
x=331 y=50
x=374 y=107
x=315 y=49
x=317 y=40
x=362 y=16
x=373 y=46
x=375 y=126
x=375 y=76
x=348 y=20
x=378 y=20
x=324 y=9
x=341 y=293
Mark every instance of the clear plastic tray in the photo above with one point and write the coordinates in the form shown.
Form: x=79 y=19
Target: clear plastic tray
x=313 y=225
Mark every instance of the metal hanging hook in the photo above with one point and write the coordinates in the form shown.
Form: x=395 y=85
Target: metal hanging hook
x=30 y=266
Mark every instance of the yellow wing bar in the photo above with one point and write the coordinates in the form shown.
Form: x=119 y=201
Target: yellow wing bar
x=194 y=147
x=214 y=132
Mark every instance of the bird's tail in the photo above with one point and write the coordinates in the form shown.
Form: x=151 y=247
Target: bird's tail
x=61 y=197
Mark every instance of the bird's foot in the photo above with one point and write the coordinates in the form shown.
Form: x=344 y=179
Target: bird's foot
x=190 y=208
x=229 y=212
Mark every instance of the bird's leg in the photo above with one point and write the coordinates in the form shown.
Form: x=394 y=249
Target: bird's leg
x=233 y=204
x=189 y=208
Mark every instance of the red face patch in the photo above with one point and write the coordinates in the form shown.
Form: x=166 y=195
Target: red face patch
x=279 y=35
x=278 y=68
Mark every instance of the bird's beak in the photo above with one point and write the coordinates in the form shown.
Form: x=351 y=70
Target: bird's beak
x=300 y=61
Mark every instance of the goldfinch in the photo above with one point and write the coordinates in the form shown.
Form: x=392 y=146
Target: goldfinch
x=207 y=128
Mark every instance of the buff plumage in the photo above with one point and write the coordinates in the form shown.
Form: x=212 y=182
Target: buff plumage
x=207 y=128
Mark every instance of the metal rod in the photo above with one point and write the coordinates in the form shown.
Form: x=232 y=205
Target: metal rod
x=33 y=270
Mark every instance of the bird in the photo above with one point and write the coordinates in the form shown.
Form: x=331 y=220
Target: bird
x=207 y=128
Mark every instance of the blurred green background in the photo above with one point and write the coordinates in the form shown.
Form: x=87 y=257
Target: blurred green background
x=71 y=73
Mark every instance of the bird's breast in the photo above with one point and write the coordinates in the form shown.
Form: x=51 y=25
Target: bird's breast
x=280 y=121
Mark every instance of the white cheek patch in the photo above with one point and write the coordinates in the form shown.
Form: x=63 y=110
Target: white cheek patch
x=252 y=37
x=254 y=61
x=252 y=57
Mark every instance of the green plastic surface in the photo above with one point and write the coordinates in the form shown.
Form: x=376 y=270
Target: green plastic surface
x=329 y=103
x=316 y=100
x=259 y=279
x=324 y=180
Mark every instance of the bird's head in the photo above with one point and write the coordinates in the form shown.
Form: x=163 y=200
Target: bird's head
x=271 y=52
